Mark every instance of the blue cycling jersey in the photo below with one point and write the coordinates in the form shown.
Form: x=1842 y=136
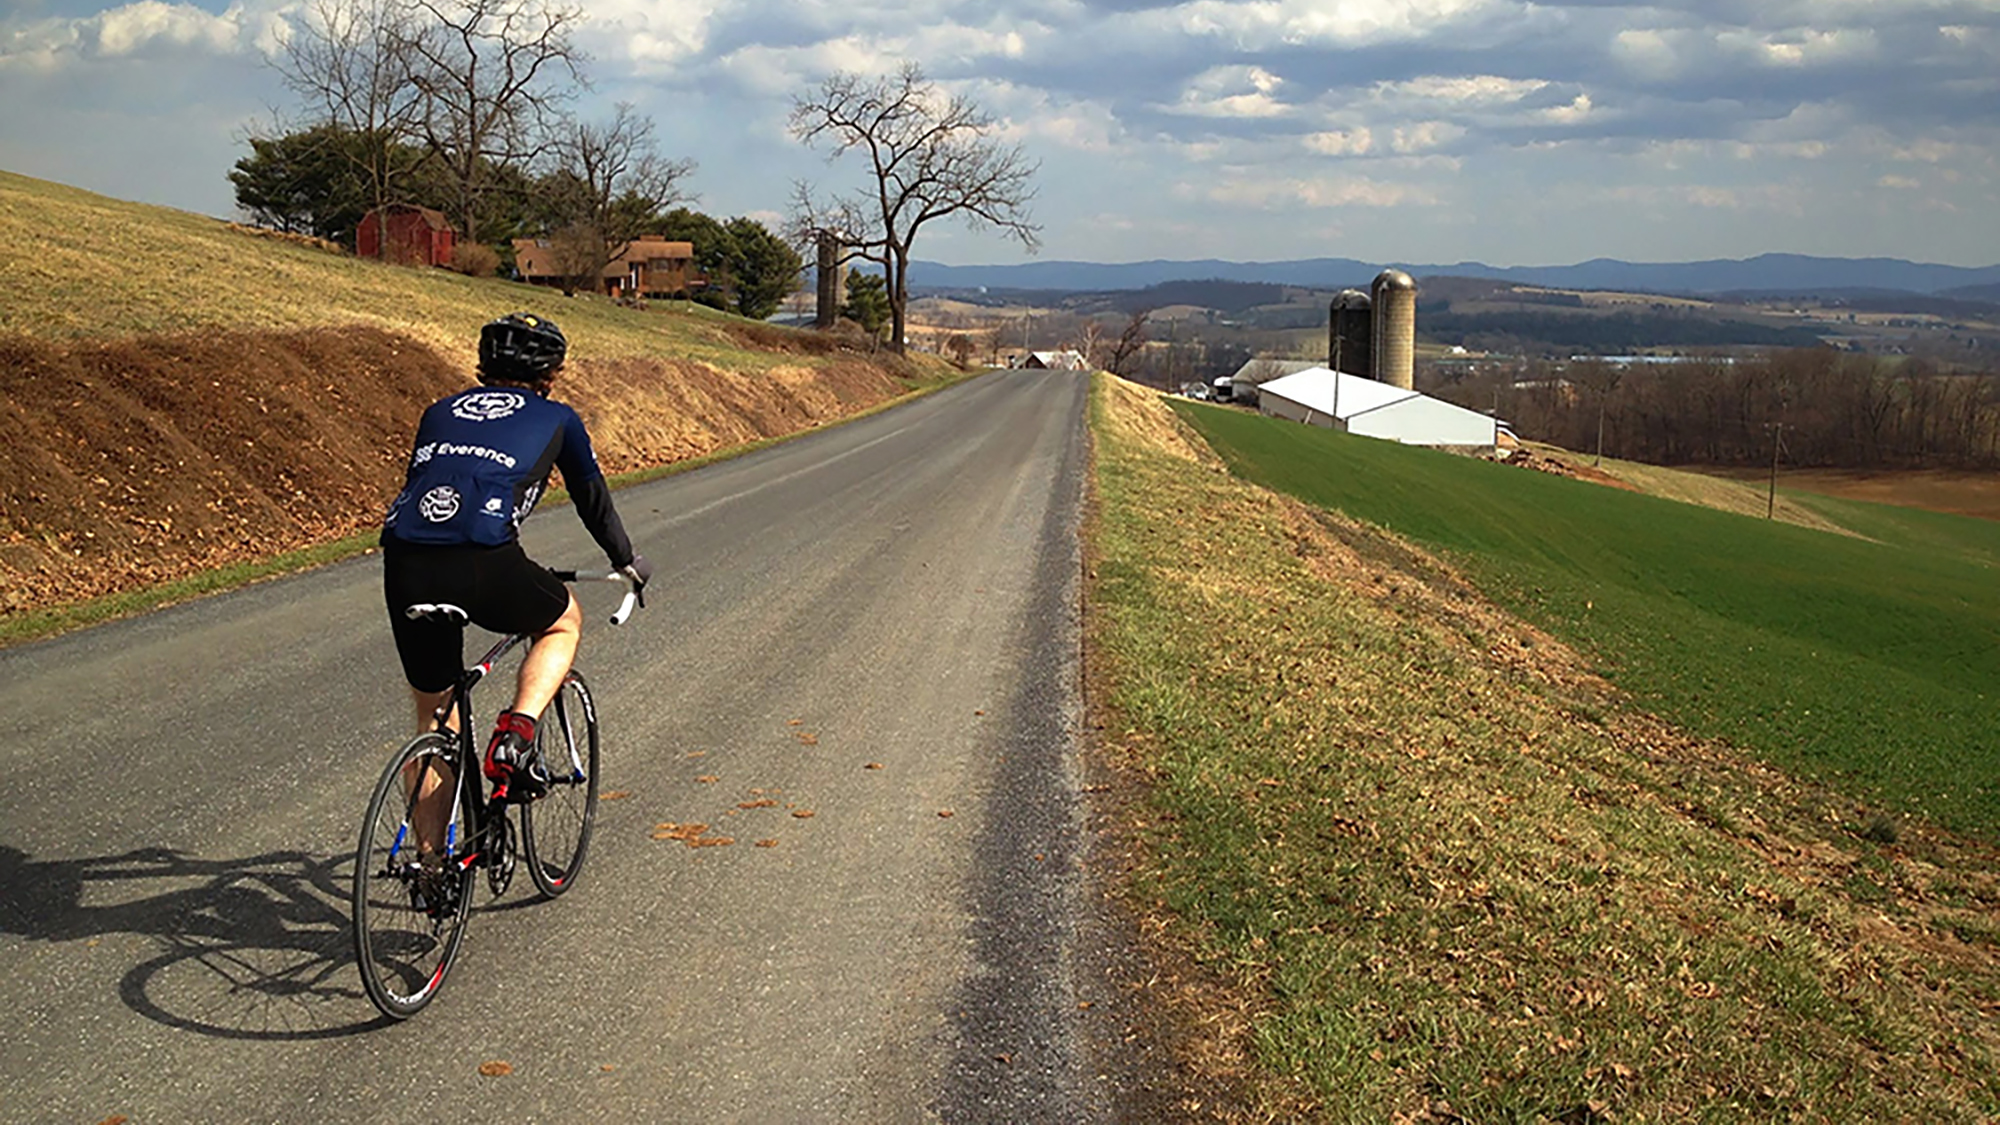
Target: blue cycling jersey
x=482 y=461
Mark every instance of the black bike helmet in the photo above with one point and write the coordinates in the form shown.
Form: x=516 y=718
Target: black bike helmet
x=520 y=348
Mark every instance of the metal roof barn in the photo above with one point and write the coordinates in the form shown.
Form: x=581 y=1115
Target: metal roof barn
x=1319 y=396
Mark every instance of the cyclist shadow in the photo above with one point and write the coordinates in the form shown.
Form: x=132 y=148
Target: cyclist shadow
x=255 y=948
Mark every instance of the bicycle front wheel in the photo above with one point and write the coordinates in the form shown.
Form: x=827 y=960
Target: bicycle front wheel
x=555 y=830
x=412 y=895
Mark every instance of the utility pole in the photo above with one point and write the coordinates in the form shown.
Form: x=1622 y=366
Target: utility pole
x=1777 y=442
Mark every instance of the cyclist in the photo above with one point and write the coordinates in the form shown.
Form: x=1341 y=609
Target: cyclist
x=481 y=460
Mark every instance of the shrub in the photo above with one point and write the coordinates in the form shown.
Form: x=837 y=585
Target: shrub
x=475 y=259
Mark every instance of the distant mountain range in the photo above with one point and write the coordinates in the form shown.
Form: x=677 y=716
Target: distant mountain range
x=1766 y=273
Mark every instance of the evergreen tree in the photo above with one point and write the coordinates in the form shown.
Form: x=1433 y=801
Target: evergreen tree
x=867 y=301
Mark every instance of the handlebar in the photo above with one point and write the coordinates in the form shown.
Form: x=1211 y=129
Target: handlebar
x=633 y=597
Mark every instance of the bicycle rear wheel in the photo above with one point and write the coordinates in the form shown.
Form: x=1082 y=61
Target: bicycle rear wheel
x=555 y=829
x=409 y=912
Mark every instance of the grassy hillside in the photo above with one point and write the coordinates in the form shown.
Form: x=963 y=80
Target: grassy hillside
x=1876 y=660
x=85 y=266
x=1445 y=873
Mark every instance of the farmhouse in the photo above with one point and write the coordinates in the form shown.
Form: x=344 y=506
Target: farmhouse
x=1053 y=361
x=416 y=236
x=644 y=267
x=1319 y=396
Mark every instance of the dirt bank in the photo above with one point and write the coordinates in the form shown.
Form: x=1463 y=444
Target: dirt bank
x=137 y=461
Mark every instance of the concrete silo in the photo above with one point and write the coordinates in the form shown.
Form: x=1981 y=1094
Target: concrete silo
x=1349 y=328
x=1395 y=342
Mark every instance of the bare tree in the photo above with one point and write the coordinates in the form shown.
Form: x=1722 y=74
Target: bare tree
x=494 y=75
x=609 y=186
x=1130 y=341
x=351 y=62
x=1089 y=341
x=930 y=157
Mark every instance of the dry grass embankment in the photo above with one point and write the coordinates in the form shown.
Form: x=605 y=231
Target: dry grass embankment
x=1453 y=876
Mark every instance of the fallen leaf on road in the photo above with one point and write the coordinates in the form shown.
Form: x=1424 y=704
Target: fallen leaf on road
x=494 y=1068
x=802 y=814
x=874 y=765
x=794 y=722
x=767 y=843
x=114 y=1119
x=944 y=812
x=614 y=795
x=710 y=841
x=759 y=803
x=697 y=754
x=607 y=1068
x=808 y=738
x=979 y=712
x=708 y=779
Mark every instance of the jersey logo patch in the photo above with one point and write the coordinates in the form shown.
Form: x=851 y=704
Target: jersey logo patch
x=487 y=406
x=439 y=504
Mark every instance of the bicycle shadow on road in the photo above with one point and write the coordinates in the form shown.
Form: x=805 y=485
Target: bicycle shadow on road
x=255 y=948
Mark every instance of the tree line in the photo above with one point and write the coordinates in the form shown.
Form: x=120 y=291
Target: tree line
x=467 y=107
x=1829 y=409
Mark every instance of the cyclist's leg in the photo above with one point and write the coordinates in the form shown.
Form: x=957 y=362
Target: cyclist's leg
x=547 y=662
x=516 y=595
x=432 y=653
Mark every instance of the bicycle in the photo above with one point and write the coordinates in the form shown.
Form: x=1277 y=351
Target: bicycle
x=410 y=909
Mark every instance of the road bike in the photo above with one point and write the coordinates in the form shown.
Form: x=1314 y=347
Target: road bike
x=430 y=828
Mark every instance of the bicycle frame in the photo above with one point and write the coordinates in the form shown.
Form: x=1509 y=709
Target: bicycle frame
x=471 y=802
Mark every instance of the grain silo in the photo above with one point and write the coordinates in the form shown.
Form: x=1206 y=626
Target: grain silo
x=1349 y=327
x=832 y=284
x=1395 y=339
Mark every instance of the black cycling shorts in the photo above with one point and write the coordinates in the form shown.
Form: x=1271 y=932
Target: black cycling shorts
x=500 y=588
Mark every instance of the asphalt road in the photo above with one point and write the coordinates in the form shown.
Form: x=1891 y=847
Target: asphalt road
x=184 y=788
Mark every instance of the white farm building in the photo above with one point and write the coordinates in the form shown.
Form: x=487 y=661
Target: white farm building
x=1319 y=396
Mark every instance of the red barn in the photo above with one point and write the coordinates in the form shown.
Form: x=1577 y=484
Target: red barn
x=418 y=236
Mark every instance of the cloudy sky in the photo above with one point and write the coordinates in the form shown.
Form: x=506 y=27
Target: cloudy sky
x=1503 y=131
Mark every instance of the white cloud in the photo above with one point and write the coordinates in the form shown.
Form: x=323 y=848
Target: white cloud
x=1250 y=190
x=1578 y=108
x=144 y=28
x=127 y=30
x=1265 y=24
x=1232 y=91
x=1465 y=90
x=1899 y=183
x=1424 y=136
x=1341 y=142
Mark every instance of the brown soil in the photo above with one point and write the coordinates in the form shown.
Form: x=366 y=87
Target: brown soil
x=1937 y=490
x=138 y=461
x=1556 y=466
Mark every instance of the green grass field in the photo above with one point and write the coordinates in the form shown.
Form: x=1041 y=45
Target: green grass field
x=1872 y=663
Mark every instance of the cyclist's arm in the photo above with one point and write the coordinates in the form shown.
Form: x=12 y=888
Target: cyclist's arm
x=593 y=504
x=590 y=494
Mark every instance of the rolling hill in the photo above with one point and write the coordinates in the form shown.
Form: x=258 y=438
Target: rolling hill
x=1785 y=273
